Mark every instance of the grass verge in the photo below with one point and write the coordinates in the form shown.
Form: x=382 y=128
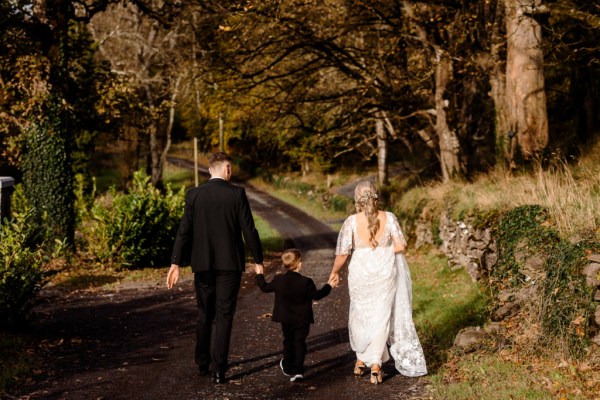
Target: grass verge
x=305 y=202
x=444 y=301
x=179 y=177
x=506 y=375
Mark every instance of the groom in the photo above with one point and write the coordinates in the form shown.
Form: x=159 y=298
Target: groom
x=215 y=217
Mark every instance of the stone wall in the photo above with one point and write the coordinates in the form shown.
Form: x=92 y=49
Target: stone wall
x=465 y=246
x=476 y=250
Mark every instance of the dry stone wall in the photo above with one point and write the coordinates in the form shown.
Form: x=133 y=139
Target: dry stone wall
x=465 y=246
x=475 y=249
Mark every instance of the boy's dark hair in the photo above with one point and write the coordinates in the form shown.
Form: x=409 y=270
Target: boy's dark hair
x=218 y=158
x=291 y=258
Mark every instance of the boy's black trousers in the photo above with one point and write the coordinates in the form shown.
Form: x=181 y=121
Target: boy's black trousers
x=294 y=347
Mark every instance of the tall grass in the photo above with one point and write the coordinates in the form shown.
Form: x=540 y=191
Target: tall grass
x=574 y=203
x=571 y=194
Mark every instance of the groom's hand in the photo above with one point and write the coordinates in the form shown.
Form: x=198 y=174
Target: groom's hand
x=173 y=275
x=259 y=269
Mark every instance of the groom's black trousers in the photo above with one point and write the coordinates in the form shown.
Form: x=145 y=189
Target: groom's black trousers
x=216 y=297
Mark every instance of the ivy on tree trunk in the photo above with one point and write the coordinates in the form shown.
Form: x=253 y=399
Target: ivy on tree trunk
x=48 y=176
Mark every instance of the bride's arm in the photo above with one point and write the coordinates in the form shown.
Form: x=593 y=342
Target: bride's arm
x=338 y=263
x=397 y=236
x=342 y=251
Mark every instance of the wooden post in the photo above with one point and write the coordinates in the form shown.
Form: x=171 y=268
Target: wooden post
x=6 y=189
x=221 y=136
x=196 y=161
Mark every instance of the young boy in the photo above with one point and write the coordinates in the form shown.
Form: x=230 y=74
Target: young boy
x=294 y=294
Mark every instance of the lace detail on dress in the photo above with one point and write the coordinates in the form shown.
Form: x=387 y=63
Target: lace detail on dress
x=396 y=232
x=344 y=242
x=381 y=299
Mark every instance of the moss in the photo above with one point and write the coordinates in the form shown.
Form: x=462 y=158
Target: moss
x=485 y=219
x=523 y=224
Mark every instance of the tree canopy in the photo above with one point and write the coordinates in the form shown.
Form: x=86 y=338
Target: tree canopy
x=449 y=88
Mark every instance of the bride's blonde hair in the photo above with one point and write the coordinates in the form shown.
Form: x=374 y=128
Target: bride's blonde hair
x=366 y=199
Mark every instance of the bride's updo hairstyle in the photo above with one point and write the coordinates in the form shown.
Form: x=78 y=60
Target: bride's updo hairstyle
x=365 y=199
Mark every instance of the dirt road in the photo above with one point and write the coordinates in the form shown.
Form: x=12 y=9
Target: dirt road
x=138 y=343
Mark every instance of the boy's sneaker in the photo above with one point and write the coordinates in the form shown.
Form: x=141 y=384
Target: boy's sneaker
x=281 y=366
x=296 y=378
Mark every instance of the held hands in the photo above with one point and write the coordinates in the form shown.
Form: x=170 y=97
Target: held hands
x=334 y=279
x=172 y=275
x=259 y=269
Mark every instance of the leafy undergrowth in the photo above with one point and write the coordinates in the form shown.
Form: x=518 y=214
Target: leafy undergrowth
x=90 y=276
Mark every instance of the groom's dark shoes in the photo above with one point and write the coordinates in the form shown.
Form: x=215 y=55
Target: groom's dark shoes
x=219 y=377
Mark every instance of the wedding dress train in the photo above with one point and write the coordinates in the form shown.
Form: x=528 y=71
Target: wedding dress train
x=380 y=319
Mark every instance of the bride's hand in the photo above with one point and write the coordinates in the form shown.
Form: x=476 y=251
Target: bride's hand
x=399 y=248
x=334 y=279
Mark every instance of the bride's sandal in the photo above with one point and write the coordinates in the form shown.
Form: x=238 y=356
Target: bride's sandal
x=359 y=368
x=376 y=374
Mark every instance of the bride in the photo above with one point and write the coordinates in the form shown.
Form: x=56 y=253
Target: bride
x=380 y=289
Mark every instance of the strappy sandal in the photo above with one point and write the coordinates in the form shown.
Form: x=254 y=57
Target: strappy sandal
x=376 y=374
x=359 y=368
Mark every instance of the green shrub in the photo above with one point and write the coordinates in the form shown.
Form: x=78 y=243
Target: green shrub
x=136 y=228
x=22 y=270
x=85 y=193
x=341 y=203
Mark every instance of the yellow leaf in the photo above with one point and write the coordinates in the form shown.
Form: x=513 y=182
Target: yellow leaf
x=578 y=320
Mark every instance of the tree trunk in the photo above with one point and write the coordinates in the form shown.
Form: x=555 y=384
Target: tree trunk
x=48 y=171
x=503 y=131
x=382 y=167
x=155 y=153
x=170 y=123
x=449 y=144
x=525 y=93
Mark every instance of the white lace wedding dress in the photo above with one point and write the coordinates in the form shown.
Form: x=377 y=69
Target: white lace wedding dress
x=380 y=320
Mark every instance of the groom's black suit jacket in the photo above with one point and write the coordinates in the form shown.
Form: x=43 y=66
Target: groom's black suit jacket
x=294 y=294
x=216 y=215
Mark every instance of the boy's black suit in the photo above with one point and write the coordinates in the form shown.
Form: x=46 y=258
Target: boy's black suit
x=294 y=294
x=215 y=217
